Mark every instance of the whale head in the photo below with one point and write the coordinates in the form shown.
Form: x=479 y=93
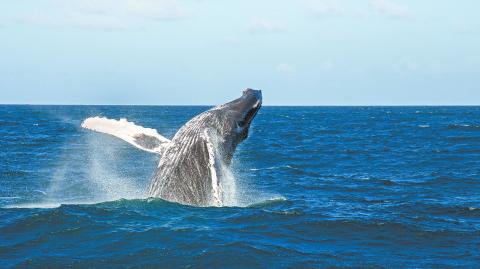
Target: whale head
x=234 y=119
x=243 y=110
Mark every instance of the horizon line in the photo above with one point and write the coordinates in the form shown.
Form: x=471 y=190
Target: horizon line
x=271 y=105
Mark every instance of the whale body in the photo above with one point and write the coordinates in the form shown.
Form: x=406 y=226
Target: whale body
x=192 y=164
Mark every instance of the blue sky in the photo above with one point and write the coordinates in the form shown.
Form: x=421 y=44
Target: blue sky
x=312 y=52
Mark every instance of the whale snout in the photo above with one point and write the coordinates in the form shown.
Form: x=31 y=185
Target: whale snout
x=257 y=94
x=248 y=105
x=245 y=107
x=252 y=99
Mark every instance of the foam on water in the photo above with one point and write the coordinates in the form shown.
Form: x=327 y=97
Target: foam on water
x=46 y=204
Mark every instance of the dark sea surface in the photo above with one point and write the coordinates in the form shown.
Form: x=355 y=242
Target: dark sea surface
x=359 y=187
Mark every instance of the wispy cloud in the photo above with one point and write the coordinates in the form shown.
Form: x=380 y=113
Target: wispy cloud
x=264 y=25
x=324 y=8
x=160 y=10
x=461 y=27
x=359 y=9
x=409 y=66
x=326 y=65
x=90 y=21
x=285 y=68
x=104 y=14
x=389 y=8
x=429 y=67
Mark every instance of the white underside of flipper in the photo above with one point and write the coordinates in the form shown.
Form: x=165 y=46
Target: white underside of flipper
x=147 y=139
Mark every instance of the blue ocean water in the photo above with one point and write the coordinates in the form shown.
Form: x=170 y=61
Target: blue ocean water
x=369 y=187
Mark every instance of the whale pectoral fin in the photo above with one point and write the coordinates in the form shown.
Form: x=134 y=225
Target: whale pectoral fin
x=143 y=138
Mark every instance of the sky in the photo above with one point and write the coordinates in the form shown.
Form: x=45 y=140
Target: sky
x=191 y=52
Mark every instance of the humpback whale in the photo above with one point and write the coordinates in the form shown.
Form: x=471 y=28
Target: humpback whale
x=191 y=165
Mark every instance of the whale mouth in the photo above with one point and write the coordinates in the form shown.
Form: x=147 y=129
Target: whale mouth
x=252 y=99
x=252 y=112
x=245 y=108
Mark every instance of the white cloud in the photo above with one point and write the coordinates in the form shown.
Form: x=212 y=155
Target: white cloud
x=325 y=8
x=90 y=21
x=326 y=65
x=156 y=9
x=463 y=27
x=285 y=68
x=424 y=67
x=104 y=14
x=264 y=25
x=409 y=66
x=358 y=9
x=389 y=8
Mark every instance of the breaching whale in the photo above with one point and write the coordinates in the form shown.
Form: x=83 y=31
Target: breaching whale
x=191 y=166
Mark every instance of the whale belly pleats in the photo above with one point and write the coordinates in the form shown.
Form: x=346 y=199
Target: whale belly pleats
x=185 y=173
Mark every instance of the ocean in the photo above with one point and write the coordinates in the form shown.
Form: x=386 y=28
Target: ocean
x=316 y=187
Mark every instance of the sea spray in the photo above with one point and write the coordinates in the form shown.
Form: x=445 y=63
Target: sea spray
x=229 y=186
x=96 y=177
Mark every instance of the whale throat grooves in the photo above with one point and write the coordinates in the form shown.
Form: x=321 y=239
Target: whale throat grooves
x=187 y=172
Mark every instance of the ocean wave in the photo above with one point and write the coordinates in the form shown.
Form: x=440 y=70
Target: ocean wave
x=273 y=168
x=82 y=202
x=268 y=202
x=463 y=126
x=40 y=205
x=463 y=139
x=9 y=197
x=439 y=209
x=8 y=123
x=152 y=228
x=133 y=203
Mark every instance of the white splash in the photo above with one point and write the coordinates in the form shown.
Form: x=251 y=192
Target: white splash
x=91 y=175
x=228 y=186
